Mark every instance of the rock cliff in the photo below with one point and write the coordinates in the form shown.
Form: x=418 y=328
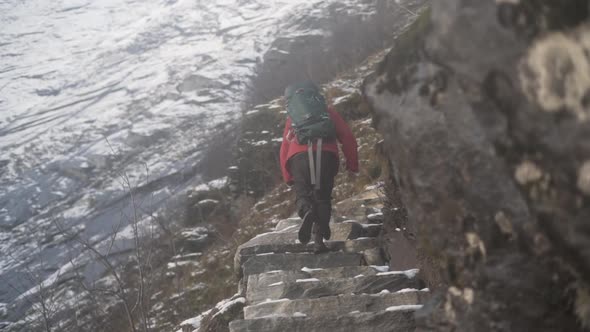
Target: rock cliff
x=484 y=108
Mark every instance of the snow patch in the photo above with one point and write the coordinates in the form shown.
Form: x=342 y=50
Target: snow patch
x=259 y=143
x=375 y=215
x=406 y=290
x=214 y=184
x=208 y=201
x=223 y=306
x=287 y=229
x=276 y=301
x=194 y=322
x=380 y=268
x=409 y=273
x=406 y=307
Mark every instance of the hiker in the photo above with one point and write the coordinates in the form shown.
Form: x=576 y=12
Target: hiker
x=309 y=157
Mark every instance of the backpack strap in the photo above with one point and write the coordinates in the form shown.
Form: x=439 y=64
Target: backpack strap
x=311 y=166
x=291 y=134
x=318 y=170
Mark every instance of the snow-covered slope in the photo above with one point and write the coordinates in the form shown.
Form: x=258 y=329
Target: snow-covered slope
x=91 y=89
x=83 y=81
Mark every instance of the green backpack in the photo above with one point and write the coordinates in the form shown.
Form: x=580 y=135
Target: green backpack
x=309 y=113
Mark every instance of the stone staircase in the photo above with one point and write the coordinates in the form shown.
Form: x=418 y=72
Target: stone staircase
x=350 y=288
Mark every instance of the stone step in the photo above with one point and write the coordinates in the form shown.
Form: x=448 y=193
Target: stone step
x=286 y=240
x=400 y=319
x=356 y=245
x=270 y=262
x=372 y=230
x=272 y=277
x=266 y=287
x=335 y=305
x=345 y=271
x=370 y=246
x=341 y=231
x=345 y=230
x=287 y=223
x=359 y=206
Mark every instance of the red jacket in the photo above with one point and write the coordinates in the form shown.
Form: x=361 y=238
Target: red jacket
x=290 y=147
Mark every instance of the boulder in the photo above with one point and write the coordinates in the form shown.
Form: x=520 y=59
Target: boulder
x=192 y=240
x=373 y=256
x=345 y=231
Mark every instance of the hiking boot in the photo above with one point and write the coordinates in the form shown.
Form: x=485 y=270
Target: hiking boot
x=319 y=245
x=305 y=229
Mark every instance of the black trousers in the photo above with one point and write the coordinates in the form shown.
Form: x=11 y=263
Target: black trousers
x=308 y=198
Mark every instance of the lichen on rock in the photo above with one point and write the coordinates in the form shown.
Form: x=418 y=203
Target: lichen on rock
x=556 y=73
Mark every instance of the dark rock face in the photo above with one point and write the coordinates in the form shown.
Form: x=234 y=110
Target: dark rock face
x=484 y=107
x=349 y=33
x=256 y=152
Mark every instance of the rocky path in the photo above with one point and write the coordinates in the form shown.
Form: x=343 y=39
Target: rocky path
x=351 y=288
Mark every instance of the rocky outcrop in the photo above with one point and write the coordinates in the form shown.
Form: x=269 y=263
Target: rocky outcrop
x=338 y=36
x=288 y=288
x=484 y=109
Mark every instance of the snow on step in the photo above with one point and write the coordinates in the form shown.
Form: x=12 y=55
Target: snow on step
x=287 y=243
x=307 y=280
x=405 y=307
x=292 y=287
x=260 y=264
x=335 y=305
x=266 y=278
x=391 y=321
x=409 y=273
x=275 y=278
